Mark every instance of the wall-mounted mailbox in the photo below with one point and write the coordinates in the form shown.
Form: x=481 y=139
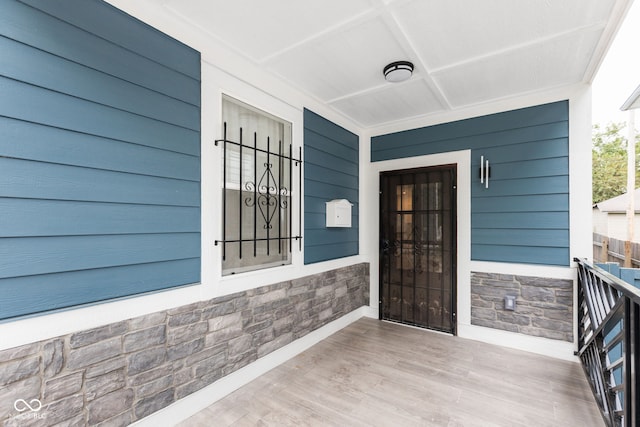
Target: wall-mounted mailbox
x=339 y=213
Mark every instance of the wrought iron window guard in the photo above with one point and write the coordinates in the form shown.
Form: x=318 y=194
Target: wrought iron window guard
x=268 y=194
x=609 y=342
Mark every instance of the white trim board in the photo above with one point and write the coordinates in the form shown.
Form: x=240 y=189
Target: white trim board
x=547 y=347
x=532 y=270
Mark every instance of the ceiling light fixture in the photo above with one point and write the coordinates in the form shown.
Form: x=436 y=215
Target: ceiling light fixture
x=398 y=71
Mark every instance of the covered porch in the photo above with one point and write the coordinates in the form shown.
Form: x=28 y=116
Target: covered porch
x=117 y=305
x=381 y=373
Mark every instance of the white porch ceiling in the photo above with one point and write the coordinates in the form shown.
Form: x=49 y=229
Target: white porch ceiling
x=465 y=52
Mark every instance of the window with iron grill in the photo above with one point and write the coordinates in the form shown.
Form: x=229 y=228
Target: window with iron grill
x=257 y=198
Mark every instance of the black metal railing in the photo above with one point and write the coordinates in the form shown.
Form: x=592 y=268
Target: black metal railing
x=609 y=342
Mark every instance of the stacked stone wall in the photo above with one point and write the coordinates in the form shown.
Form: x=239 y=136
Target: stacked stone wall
x=544 y=307
x=119 y=373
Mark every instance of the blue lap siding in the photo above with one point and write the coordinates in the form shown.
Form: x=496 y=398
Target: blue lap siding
x=523 y=217
x=99 y=156
x=331 y=159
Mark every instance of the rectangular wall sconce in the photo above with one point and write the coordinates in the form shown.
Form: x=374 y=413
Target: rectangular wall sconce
x=510 y=302
x=485 y=172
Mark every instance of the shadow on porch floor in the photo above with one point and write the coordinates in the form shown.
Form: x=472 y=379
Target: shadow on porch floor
x=375 y=373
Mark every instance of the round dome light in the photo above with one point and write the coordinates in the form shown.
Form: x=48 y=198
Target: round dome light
x=398 y=71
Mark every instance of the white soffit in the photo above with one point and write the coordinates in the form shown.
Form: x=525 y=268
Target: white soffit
x=343 y=62
x=410 y=99
x=261 y=28
x=519 y=71
x=454 y=32
x=466 y=52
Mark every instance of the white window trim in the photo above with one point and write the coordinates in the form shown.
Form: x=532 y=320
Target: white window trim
x=214 y=283
x=234 y=169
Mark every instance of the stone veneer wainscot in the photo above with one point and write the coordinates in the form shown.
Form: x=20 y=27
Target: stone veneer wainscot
x=544 y=307
x=119 y=373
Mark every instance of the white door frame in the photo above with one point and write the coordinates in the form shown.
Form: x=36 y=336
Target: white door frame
x=462 y=160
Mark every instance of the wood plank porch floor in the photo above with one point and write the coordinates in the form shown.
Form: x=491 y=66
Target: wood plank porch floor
x=376 y=373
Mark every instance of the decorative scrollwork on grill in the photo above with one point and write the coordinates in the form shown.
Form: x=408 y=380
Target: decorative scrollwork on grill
x=268 y=195
x=264 y=203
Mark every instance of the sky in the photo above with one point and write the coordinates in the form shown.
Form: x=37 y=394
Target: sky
x=619 y=73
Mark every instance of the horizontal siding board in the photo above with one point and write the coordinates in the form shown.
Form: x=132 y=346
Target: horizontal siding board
x=545 y=149
x=528 y=186
x=30 y=141
x=34 y=294
x=317 y=221
x=513 y=119
x=17 y=22
x=51 y=108
x=106 y=21
x=521 y=220
x=530 y=168
x=490 y=124
x=331 y=236
x=521 y=237
x=313 y=254
x=317 y=173
x=410 y=148
x=27 y=179
x=37 y=255
x=38 y=68
x=313 y=221
x=321 y=126
x=314 y=204
x=329 y=161
x=322 y=143
x=320 y=189
x=521 y=254
x=23 y=218
x=532 y=203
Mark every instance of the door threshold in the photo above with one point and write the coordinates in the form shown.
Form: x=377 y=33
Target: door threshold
x=418 y=327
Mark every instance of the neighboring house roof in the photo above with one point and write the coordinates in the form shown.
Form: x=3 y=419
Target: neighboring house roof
x=633 y=101
x=619 y=203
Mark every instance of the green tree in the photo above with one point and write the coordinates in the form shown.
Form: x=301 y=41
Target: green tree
x=609 y=157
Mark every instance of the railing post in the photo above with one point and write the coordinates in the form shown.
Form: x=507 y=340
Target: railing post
x=631 y=348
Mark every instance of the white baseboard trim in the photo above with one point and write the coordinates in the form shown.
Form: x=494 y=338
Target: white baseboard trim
x=195 y=402
x=371 y=312
x=544 y=346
